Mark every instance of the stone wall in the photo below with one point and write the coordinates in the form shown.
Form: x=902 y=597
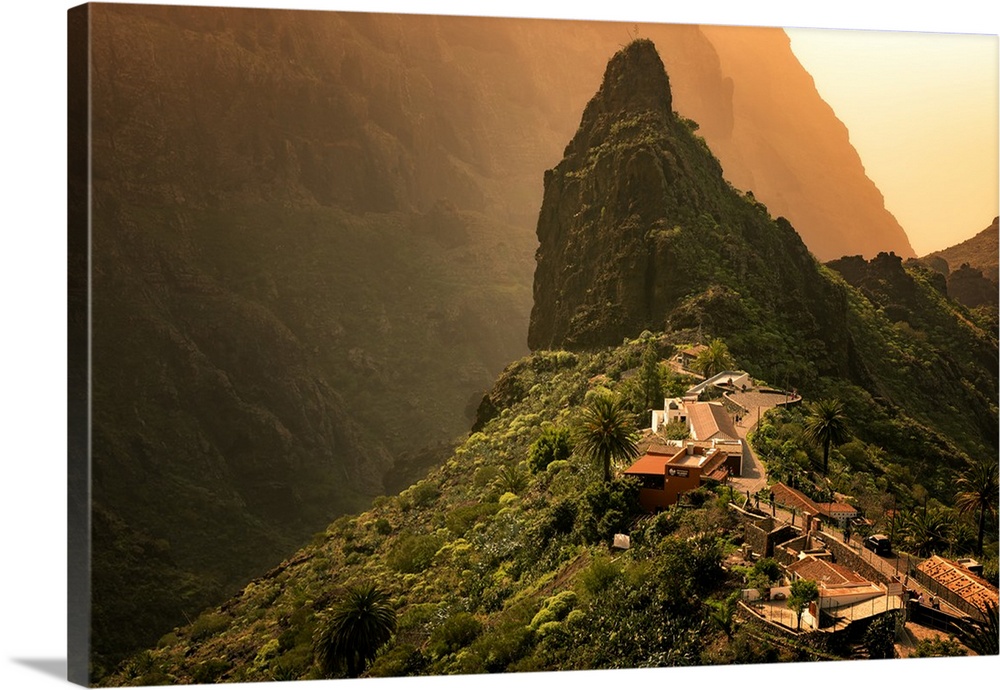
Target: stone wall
x=786 y=552
x=846 y=556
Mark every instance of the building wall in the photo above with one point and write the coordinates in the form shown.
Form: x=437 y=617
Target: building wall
x=652 y=500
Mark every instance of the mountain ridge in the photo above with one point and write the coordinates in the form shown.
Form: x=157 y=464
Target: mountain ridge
x=497 y=562
x=355 y=191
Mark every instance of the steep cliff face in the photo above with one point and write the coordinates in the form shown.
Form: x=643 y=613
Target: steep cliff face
x=639 y=230
x=637 y=224
x=787 y=145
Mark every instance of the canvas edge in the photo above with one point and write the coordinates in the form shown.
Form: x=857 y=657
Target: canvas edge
x=78 y=345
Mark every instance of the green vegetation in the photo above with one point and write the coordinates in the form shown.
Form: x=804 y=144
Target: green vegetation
x=827 y=426
x=358 y=625
x=802 y=592
x=482 y=579
x=553 y=444
x=606 y=434
x=938 y=646
x=713 y=359
x=979 y=493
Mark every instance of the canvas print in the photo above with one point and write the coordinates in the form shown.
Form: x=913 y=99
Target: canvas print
x=416 y=345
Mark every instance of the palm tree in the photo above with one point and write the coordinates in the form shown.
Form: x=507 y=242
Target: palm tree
x=713 y=359
x=606 y=432
x=928 y=531
x=826 y=424
x=978 y=492
x=357 y=627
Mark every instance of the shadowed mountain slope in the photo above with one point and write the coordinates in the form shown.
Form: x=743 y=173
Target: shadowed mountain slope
x=485 y=558
x=313 y=240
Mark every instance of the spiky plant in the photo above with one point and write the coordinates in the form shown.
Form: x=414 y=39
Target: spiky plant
x=356 y=628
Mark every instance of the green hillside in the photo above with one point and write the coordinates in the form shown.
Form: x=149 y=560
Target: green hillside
x=499 y=559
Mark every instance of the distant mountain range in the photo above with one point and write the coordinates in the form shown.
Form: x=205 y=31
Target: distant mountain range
x=313 y=248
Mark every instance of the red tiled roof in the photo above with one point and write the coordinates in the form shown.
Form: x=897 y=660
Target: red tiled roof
x=710 y=420
x=787 y=496
x=962 y=582
x=829 y=509
x=812 y=568
x=651 y=463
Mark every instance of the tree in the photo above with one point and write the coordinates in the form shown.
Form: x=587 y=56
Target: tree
x=713 y=359
x=978 y=491
x=651 y=378
x=880 y=637
x=928 y=531
x=802 y=592
x=826 y=424
x=356 y=628
x=606 y=433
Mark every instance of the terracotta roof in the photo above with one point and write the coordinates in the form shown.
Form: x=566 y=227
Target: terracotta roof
x=959 y=580
x=812 y=568
x=829 y=509
x=651 y=463
x=710 y=420
x=787 y=496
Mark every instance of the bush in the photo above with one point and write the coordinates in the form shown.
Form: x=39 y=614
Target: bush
x=559 y=519
x=553 y=444
x=208 y=624
x=555 y=609
x=400 y=660
x=424 y=494
x=676 y=430
x=458 y=630
x=461 y=519
x=413 y=553
x=600 y=574
x=209 y=671
x=939 y=646
x=609 y=508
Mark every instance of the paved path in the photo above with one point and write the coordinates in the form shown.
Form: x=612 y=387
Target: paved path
x=753 y=477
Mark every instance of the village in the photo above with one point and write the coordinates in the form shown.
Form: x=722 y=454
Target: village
x=850 y=576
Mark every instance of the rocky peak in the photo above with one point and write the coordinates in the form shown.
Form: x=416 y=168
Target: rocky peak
x=635 y=81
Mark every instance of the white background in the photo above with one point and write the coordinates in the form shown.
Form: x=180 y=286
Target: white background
x=33 y=392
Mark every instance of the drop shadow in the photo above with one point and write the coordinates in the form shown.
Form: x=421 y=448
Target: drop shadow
x=50 y=667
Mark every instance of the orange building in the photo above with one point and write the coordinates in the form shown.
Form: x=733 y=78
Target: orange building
x=665 y=473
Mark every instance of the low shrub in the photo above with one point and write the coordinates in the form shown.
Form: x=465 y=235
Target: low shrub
x=413 y=553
